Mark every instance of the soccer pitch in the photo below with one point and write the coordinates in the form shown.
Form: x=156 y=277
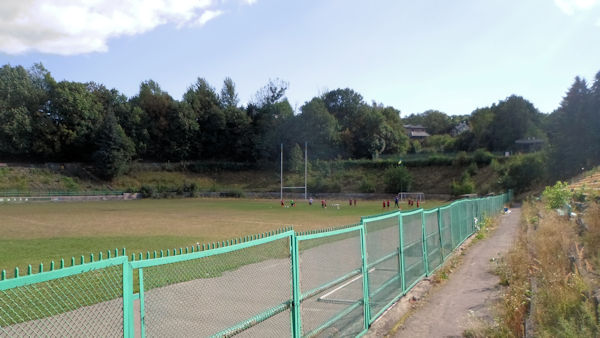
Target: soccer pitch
x=33 y=233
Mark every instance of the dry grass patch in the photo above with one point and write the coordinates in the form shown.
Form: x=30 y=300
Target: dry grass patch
x=546 y=253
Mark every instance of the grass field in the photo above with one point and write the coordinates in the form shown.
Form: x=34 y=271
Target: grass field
x=42 y=232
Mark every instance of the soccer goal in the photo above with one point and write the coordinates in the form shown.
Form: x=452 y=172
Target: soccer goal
x=417 y=196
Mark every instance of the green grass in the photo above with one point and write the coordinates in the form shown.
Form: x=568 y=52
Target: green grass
x=42 y=232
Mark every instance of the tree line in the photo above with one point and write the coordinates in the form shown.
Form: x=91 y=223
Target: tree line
x=42 y=119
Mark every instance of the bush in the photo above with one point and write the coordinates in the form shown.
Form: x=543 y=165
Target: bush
x=465 y=186
x=482 y=156
x=324 y=185
x=397 y=179
x=472 y=169
x=558 y=195
x=70 y=184
x=219 y=166
x=190 y=188
x=522 y=171
x=367 y=186
x=462 y=158
x=236 y=193
x=147 y=191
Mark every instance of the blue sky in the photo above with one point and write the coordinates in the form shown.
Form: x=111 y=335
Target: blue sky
x=453 y=56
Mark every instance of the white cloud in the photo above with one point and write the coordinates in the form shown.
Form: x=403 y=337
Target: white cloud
x=207 y=16
x=570 y=7
x=82 y=26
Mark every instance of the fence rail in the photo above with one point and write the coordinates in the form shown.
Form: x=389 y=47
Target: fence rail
x=282 y=283
x=20 y=193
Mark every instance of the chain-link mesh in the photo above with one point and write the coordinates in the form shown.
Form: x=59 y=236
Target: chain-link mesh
x=471 y=216
x=446 y=231
x=432 y=238
x=412 y=235
x=88 y=304
x=383 y=261
x=455 y=225
x=331 y=284
x=209 y=295
x=465 y=228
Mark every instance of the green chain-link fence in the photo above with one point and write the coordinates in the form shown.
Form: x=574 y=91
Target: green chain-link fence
x=333 y=282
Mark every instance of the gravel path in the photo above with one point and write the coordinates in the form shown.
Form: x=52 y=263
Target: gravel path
x=465 y=298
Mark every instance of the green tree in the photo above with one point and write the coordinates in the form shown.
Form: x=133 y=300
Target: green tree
x=319 y=128
x=270 y=114
x=439 y=143
x=114 y=149
x=295 y=161
x=15 y=131
x=170 y=127
x=397 y=179
x=205 y=105
x=436 y=122
x=229 y=96
x=76 y=114
x=514 y=118
x=573 y=132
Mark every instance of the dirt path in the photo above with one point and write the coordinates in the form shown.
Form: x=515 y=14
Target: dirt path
x=466 y=296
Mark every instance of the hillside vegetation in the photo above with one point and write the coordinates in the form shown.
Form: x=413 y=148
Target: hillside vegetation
x=177 y=179
x=552 y=274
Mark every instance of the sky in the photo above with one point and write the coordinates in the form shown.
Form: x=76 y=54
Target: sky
x=453 y=56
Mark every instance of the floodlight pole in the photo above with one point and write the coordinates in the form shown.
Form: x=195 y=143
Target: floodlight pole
x=305 y=169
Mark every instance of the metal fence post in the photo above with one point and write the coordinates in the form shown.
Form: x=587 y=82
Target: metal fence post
x=424 y=239
x=364 y=253
x=439 y=220
x=402 y=268
x=142 y=310
x=128 y=331
x=296 y=320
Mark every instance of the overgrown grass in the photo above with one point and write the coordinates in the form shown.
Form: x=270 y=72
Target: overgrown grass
x=561 y=304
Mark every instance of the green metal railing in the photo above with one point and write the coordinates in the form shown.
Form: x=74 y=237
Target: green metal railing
x=21 y=193
x=282 y=283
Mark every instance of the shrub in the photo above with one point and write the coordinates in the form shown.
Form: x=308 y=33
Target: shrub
x=397 y=179
x=472 y=169
x=236 y=193
x=147 y=191
x=367 y=186
x=462 y=158
x=482 y=156
x=219 y=166
x=324 y=185
x=558 y=195
x=522 y=171
x=70 y=184
x=465 y=186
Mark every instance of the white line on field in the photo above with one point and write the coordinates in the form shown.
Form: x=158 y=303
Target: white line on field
x=344 y=285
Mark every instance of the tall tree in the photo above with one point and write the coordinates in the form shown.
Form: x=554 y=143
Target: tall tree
x=229 y=96
x=269 y=114
x=205 y=105
x=319 y=128
x=76 y=113
x=572 y=132
x=167 y=124
x=514 y=118
x=114 y=149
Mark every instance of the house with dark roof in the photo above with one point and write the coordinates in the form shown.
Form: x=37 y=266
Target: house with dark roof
x=416 y=131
